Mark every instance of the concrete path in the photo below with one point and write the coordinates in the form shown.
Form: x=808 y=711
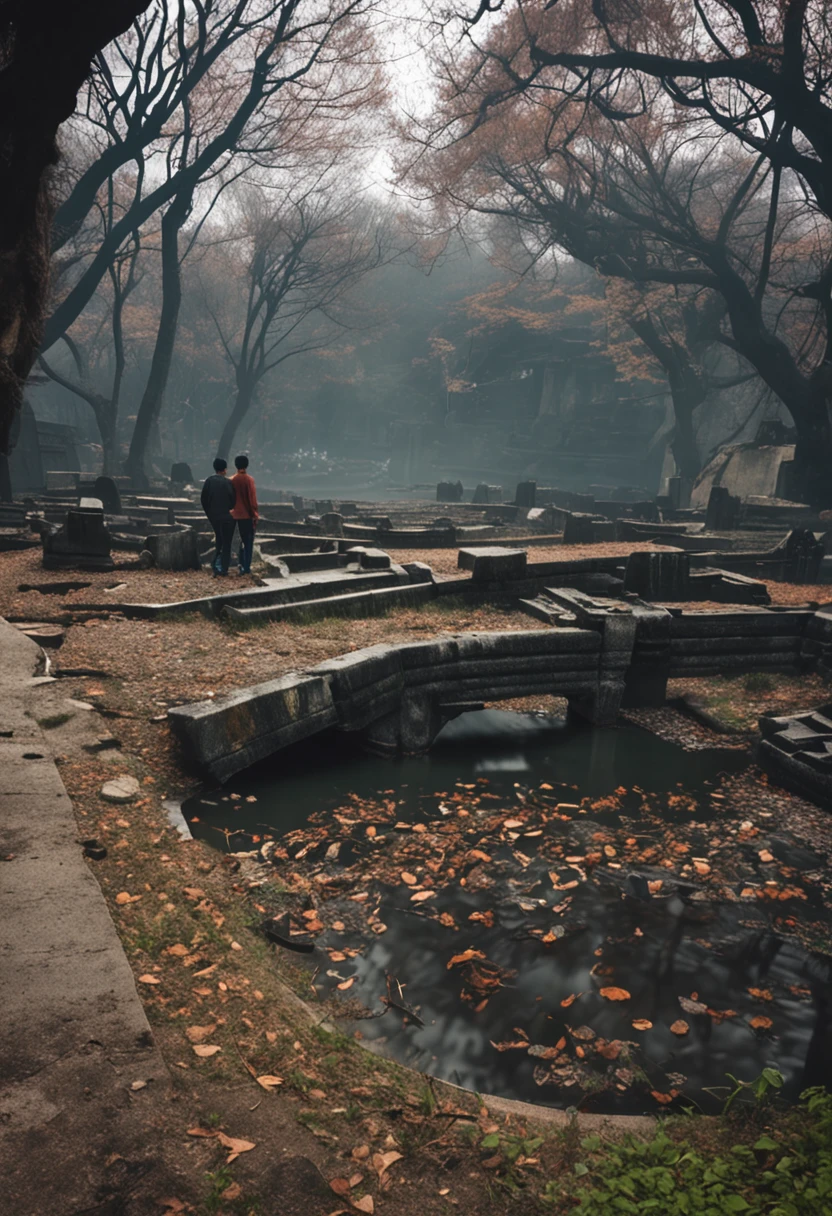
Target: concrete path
x=74 y=1137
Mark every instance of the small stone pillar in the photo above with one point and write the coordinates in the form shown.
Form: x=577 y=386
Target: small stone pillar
x=332 y=523
x=526 y=494
x=449 y=491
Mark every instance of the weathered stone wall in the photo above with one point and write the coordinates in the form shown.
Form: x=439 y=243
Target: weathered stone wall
x=398 y=697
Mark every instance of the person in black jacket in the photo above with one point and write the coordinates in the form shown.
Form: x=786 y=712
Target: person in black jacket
x=218 y=497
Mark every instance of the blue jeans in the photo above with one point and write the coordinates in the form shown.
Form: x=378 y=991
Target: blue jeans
x=246 y=530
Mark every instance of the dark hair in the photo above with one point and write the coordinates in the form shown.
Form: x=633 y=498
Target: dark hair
x=219 y=464
x=241 y=462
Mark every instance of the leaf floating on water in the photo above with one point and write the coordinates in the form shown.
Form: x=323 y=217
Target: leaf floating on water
x=664 y=1099
x=761 y=1023
x=679 y=1027
x=690 y=1006
x=419 y=897
x=569 y=1000
x=642 y=1024
x=517 y=1045
x=615 y=994
x=543 y=1053
x=465 y=957
x=761 y=994
x=585 y=1033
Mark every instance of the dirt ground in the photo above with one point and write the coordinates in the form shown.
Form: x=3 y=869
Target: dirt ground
x=331 y=1128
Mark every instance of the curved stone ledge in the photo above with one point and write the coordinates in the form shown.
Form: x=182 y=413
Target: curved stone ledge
x=399 y=697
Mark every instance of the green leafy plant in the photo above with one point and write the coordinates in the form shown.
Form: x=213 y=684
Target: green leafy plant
x=786 y=1176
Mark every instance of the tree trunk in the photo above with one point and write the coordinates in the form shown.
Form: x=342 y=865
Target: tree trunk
x=108 y=430
x=154 y=393
x=242 y=404
x=683 y=443
x=811 y=480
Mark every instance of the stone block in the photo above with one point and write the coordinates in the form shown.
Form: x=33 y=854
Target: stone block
x=419 y=572
x=332 y=523
x=106 y=489
x=722 y=511
x=180 y=473
x=90 y=504
x=449 y=491
x=82 y=541
x=365 y=685
x=494 y=564
x=580 y=528
x=485 y=494
x=174 y=550
x=233 y=732
x=526 y=494
x=661 y=575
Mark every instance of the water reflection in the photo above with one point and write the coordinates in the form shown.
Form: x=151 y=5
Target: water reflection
x=657 y=949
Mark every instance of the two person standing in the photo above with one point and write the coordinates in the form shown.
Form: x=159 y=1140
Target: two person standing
x=231 y=504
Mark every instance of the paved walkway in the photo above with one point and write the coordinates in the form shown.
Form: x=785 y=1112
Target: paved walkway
x=74 y=1136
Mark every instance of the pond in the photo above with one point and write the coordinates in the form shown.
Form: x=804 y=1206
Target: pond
x=541 y=910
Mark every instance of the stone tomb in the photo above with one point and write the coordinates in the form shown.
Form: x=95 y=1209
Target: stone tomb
x=82 y=542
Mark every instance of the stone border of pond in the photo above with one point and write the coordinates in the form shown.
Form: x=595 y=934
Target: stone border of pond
x=603 y=655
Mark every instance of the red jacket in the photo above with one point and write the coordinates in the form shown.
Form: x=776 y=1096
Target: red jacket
x=246 y=504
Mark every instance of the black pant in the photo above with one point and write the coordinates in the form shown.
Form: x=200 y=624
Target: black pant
x=223 y=536
x=246 y=530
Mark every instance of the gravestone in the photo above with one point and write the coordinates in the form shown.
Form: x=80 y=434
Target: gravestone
x=180 y=473
x=325 y=507
x=332 y=523
x=658 y=575
x=174 y=549
x=722 y=511
x=449 y=491
x=485 y=494
x=82 y=541
x=526 y=494
x=107 y=490
x=297 y=503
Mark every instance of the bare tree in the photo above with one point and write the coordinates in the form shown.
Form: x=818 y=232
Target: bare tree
x=301 y=261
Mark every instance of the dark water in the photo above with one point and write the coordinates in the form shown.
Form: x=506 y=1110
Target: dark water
x=657 y=949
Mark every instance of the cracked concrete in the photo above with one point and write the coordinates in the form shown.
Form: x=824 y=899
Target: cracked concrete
x=74 y=1137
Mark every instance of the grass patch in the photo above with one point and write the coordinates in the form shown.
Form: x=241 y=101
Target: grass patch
x=758 y=681
x=52 y=721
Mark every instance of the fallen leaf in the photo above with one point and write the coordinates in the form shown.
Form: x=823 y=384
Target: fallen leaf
x=569 y=1000
x=197 y=1034
x=383 y=1161
x=178 y=951
x=642 y=1024
x=512 y=1045
x=235 y=1147
x=513 y=823
x=361 y=1152
x=615 y=994
x=149 y=979
x=202 y=1131
x=365 y=1204
x=765 y=856
x=761 y=994
x=173 y=1205
x=204 y=1050
x=664 y=1099
x=655 y=886
x=268 y=1082
x=409 y=878
x=679 y=1027
x=232 y=1192
x=465 y=957
x=760 y=1023
x=416 y=898
x=690 y=1006
x=340 y=1186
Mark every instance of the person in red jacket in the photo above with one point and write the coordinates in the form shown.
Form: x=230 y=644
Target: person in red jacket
x=244 y=511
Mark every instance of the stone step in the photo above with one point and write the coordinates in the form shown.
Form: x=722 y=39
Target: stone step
x=369 y=602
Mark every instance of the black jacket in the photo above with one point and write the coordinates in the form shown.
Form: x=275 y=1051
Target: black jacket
x=218 y=497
